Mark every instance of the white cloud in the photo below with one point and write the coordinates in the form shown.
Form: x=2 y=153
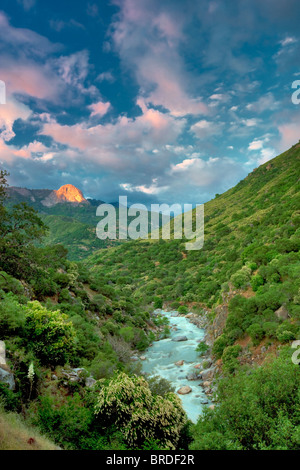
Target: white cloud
x=204 y=129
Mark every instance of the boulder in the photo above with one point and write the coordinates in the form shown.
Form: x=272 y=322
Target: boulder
x=211 y=407
x=90 y=381
x=193 y=376
x=282 y=313
x=143 y=358
x=7 y=377
x=184 y=390
x=208 y=374
x=179 y=363
x=179 y=338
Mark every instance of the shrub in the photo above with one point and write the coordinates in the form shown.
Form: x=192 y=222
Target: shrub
x=256 y=333
x=49 y=334
x=229 y=358
x=182 y=309
x=202 y=348
x=12 y=316
x=127 y=402
x=220 y=344
x=257 y=409
x=158 y=302
x=256 y=282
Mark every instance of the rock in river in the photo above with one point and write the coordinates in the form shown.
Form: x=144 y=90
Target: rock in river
x=184 y=390
x=180 y=338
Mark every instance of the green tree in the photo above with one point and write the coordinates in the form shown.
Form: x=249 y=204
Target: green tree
x=128 y=404
x=50 y=335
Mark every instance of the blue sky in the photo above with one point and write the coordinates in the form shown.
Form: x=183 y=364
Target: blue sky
x=159 y=100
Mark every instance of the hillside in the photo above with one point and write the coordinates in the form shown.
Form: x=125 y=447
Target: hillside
x=244 y=284
x=73 y=332
x=70 y=218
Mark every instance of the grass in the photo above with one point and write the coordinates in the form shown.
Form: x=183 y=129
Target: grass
x=15 y=434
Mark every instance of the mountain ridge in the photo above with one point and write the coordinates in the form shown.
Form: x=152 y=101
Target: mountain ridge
x=68 y=193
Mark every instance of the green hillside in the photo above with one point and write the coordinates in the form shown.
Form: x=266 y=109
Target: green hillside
x=249 y=231
x=245 y=282
x=71 y=328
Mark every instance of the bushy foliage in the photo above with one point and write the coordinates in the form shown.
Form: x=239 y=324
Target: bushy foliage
x=127 y=402
x=256 y=410
x=49 y=333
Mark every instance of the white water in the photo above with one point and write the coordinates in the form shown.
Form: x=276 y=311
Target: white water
x=161 y=358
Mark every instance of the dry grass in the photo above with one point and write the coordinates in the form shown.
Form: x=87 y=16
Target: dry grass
x=16 y=435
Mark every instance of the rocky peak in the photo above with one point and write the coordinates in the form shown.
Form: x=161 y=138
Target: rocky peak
x=69 y=193
x=66 y=193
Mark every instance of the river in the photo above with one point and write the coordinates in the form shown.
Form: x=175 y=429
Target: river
x=161 y=357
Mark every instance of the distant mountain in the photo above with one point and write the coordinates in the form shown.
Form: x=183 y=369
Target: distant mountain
x=46 y=197
x=70 y=217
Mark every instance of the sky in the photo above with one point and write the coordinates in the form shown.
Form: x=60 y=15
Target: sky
x=168 y=101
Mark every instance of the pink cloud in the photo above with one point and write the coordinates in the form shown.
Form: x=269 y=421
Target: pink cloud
x=28 y=78
x=99 y=108
x=290 y=134
x=157 y=64
x=11 y=111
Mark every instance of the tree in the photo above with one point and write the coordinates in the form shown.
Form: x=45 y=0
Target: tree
x=49 y=334
x=20 y=229
x=128 y=404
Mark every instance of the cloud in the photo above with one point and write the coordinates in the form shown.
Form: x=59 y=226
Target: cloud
x=147 y=39
x=287 y=41
x=27 y=4
x=256 y=145
x=289 y=133
x=11 y=111
x=264 y=103
x=99 y=108
x=205 y=129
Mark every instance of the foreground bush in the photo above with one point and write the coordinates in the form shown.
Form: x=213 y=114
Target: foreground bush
x=127 y=402
x=257 y=410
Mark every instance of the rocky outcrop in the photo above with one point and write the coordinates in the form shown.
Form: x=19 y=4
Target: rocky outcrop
x=79 y=374
x=66 y=193
x=6 y=376
x=208 y=374
x=282 y=313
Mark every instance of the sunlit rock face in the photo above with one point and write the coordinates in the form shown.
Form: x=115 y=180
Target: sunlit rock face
x=66 y=193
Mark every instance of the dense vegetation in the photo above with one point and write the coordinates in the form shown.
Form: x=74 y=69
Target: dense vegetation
x=250 y=265
x=62 y=325
x=57 y=315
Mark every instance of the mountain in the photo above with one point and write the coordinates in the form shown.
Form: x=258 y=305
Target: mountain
x=65 y=194
x=70 y=217
x=48 y=198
